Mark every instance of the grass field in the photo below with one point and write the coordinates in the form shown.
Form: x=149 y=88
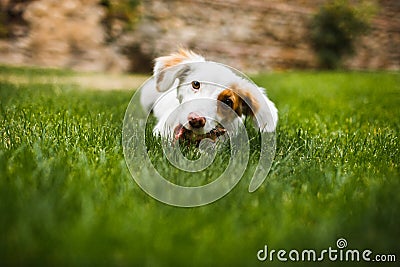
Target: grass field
x=67 y=198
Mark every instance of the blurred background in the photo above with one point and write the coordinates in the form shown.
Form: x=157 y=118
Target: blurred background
x=253 y=36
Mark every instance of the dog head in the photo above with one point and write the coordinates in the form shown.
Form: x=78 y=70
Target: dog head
x=223 y=89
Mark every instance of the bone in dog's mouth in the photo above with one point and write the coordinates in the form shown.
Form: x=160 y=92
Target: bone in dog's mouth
x=181 y=133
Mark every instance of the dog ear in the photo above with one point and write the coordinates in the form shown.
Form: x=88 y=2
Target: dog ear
x=250 y=105
x=266 y=117
x=166 y=78
x=169 y=68
x=256 y=104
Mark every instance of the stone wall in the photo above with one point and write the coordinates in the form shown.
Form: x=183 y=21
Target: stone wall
x=253 y=36
x=260 y=35
x=64 y=34
x=380 y=49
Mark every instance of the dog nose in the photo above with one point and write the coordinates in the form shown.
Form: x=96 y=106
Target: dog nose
x=196 y=121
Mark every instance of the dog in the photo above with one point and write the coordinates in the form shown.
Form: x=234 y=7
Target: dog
x=193 y=98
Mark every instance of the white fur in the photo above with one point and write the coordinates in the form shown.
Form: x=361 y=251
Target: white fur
x=170 y=89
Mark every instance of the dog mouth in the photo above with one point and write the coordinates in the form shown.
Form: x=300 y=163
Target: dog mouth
x=181 y=133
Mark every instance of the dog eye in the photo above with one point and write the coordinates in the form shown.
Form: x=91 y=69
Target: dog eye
x=228 y=102
x=196 y=85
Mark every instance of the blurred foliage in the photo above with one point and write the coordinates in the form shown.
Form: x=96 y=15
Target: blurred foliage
x=11 y=15
x=336 y=28
x=121 y=15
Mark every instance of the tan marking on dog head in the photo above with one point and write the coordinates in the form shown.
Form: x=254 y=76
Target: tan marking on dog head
x=177 y=58
x=231 y=99
x=173 y=64
x=250 y=104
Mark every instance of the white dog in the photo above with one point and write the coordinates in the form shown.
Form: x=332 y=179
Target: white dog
x=192 y=97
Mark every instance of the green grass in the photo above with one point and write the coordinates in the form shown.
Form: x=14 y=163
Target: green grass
x=67 y=198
